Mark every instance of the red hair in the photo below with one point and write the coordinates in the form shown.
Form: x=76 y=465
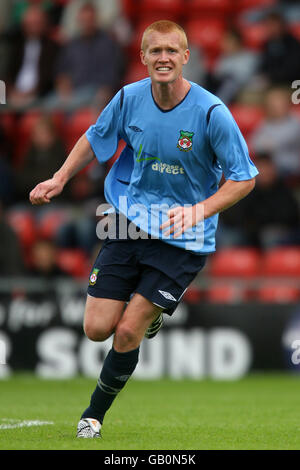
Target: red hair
x=165 y=26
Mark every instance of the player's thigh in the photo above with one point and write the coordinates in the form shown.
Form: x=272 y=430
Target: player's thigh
x=137 y=317
x=101 y=317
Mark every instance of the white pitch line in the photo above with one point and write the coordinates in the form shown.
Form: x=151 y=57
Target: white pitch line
x=24 y=424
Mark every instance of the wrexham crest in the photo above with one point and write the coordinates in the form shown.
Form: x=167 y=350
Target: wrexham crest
x=93 y=277
x=185 y=141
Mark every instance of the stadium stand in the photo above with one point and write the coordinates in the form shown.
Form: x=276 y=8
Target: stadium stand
x=50 y=222
x=206 y=33
x=233 y=274
x=235 y=262
x=206 y=7
x=74 y=262
x=281 y=262
x=254 y=35
x=278 y=293
x=248 y=117
x=243 y=5
x=294 y=28
x=24 y=226
x=226 y=292
x=24 y=130
x=161 y=7
x=78 y=123
x=136 y=71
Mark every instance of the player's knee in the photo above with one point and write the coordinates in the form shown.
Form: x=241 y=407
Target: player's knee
x=95 y=331
x=125 y=334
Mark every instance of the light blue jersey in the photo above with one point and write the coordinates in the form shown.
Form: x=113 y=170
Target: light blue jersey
x=172 y=158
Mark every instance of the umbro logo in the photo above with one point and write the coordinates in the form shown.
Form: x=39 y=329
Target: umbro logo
x=122 y=378
x=135 y=129
x=167 y=295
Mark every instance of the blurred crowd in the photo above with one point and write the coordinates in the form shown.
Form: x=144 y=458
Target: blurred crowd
x=63 y=60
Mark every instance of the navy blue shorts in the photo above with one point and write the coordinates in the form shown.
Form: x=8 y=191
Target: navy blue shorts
x=155 y=269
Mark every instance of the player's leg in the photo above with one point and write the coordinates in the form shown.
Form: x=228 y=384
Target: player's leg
x=121 y=360
x=131 y=328
x=101 y=317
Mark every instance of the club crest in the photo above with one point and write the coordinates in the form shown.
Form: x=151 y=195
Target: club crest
x=93 y=277
x=185 y=141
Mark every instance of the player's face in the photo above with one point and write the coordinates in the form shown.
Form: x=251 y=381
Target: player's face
x=164 y=56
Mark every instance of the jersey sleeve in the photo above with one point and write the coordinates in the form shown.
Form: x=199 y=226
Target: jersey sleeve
x=105 y=134
x=229 y=146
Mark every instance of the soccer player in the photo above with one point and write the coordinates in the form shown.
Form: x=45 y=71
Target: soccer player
x=180 y=139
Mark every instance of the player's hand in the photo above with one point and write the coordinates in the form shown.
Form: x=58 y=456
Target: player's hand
x=45 y=191
x=182 y=218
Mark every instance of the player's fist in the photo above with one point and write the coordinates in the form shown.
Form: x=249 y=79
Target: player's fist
x=45 y=191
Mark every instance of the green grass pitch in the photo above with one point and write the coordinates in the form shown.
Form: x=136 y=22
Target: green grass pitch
x=257 y=412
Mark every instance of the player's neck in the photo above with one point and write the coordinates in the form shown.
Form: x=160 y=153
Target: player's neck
x=168 y=95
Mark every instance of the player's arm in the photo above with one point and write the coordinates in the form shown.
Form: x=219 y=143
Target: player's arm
x=182 y=218
x=229 y=194
x=80 y=156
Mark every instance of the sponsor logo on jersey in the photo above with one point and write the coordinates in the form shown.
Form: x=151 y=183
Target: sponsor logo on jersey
x=170 y=169
x=185 y=141
x=93 y=277
x=159 y=165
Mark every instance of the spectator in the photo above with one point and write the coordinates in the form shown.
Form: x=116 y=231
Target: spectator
x=105 y=12
x=235 y=68
x=271 y=211
x=280 y=56
x=19 y=7
x=31 y=61
x=195 y=70
x=11 y=263
x=5 y=14
x=6 y=174
x=89 y=68
x=268 y=217
x=45 y=155
x=43 y=261
x=279 y=133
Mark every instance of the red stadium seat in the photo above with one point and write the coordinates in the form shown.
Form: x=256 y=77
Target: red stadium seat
x=78 y=125
x=23 y=224
x=294 y=28
x=129 y=9
x=206 y=7
x=225 y=293
x=50 y=223
x=59 y=121
x=173 y=7
x=254 y=35
x=251 y=4
x=235 y=262
x=278 y=293
x=136 y=71
x=247 y=117
x=282 y=261
x=153 y=10
x=8 y=124
x=295 y=109
x=74 y=262
x=193 y=295
x=23 y=134
x=135 y=44
x=206 y=33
